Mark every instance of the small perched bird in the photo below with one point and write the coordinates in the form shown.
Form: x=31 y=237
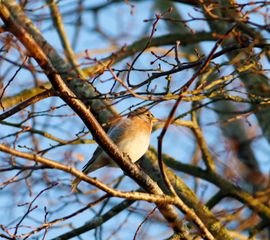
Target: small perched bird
x=131 y=135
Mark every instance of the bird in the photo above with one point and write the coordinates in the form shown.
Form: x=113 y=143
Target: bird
x=131 y=135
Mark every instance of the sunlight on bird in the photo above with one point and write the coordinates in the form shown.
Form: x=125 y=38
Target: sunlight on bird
x=131 y=135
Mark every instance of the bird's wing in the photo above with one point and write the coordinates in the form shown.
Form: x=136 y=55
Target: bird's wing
x=118 y=131
x=96 y=162
x=99 y=158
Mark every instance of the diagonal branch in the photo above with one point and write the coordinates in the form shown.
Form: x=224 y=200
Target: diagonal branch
x=87 y=117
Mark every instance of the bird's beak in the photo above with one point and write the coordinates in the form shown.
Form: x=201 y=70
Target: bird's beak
x=154 y=120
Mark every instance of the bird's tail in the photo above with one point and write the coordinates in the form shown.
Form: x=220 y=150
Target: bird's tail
x=86 y=169
x=91 y=166
x=75 y=184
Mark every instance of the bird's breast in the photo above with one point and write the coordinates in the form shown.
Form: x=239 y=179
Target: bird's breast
x=132 y=136
x=135 y=145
